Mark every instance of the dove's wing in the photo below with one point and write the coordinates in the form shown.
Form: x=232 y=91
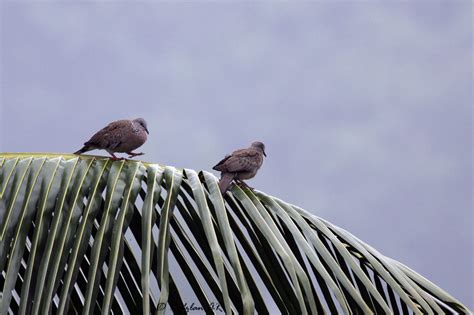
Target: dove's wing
x=218 y=166
x=110 y=136
x=244 y=160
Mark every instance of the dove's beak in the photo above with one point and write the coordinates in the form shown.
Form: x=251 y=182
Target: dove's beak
x=264 y=153
x=147 y=131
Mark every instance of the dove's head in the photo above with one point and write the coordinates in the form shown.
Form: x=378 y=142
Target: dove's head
x=142 y=123
x=259 y=146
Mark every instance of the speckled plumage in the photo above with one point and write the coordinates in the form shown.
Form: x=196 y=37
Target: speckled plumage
x=118 y=136
x=241 y=164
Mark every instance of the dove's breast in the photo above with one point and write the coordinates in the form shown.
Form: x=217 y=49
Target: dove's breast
x=132 y=141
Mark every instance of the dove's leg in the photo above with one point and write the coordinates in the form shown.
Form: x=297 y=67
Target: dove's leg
x=114 y=157
x=132 y=154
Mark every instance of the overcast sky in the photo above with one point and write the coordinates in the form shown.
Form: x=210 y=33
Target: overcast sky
x=365 y=108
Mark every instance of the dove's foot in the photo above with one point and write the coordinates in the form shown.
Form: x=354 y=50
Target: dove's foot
x=133 y=154
x=116 y=158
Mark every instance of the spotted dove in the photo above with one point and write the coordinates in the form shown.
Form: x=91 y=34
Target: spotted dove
x=241 y=164
x=118 y=136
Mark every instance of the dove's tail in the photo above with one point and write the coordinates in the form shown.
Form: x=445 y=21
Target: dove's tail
x=225 y=181
x=84 y=149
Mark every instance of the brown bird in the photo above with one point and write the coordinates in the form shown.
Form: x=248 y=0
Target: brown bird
x=118 y=136
x=241 y=164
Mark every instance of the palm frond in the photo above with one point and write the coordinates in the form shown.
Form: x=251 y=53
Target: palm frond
x=85 y=234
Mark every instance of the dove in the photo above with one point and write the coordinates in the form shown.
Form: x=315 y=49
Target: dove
x=118 y=136
x=241 y=164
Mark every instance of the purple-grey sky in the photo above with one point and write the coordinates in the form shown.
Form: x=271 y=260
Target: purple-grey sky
x=365 y=107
